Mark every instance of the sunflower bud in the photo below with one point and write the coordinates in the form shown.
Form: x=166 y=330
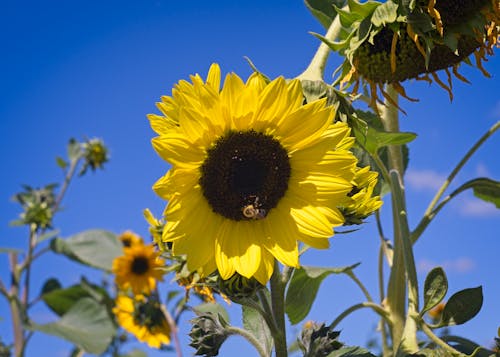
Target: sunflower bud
x=318 y=340
x=95 y=154
x=208 y=334
x=238 y=287
x=38 y=205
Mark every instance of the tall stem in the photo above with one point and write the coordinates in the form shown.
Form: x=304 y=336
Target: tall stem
x=278 y=306
x=316 y=68
x=403 y=329
x=15 y=307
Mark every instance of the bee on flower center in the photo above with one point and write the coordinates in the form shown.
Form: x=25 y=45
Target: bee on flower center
x=253 y=210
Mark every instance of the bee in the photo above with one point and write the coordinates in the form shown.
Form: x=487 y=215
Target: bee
x=252 y=211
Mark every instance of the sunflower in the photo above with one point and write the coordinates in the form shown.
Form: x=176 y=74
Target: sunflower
x=254 y=172
x=130 y=239
x=143 y=318
x=361 y=202
x=392 y=41
x=138 y=269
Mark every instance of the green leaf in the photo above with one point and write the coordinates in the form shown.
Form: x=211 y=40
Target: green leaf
x=256 y=325
x=364 y=9
x=303 y=288
x=96 y=248
x=347 y=18
x=376 y=139
x=351 y=352
x=87 y=325
x=48 y=235
x=135 y=353
x=488 y=190
x=61 y=300
x=50 y=285
x=323 y=10
x=385 y=14
x=435 y=288
x=462 y=306
x=214 y=308
x=61 y=162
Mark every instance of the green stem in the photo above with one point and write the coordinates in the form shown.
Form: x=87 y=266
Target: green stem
x=27 y=264
x=409 y=341
x=316 y=69
x=396 y=290
x=375 y=307
x=382 y=252
x=232 y=330
x=16 y=307
x=440 y=342
x=173 y=328
x=67 y=179
x=431 y=211
x=358 y=282
x=278 y=306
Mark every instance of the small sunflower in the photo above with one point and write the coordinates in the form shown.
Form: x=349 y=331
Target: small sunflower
x=361 y=202
x=254 y=172
x=138 y=269
x=392 y=41
x=130 y=239
x=143 y=318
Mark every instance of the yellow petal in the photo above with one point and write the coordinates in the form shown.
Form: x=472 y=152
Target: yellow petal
x=176 y=149
x=213 y=78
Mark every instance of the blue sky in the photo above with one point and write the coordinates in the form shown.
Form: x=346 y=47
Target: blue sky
x=96 y=68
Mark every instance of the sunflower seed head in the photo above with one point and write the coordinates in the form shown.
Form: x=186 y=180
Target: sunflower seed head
x=238 y=287
x=318 y=340
x=208 y=334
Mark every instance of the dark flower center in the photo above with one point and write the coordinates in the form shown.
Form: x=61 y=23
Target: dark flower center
x=148 y=314
x=245 y=175
x=140 y=265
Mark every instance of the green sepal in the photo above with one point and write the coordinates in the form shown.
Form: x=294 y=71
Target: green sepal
x=435 y=288
x=462 y=306
x=304 y=286
x=213 y=308
x=385 y=14
x=364 y=9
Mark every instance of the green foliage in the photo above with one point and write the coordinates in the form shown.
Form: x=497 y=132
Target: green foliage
x=303 y=288
x=61 y=300
x=96 y=248
x=323 y=10
x=212 y=308
x=351 y=352
x=87 y=324
x=254 y=323
x=484 y=188
x=435 y=288
x=462 y=306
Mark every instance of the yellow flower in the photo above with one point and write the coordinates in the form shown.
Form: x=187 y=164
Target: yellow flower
x=360 y=202
x=138 y=269
x=130 y=239
x=254 y=171
x=143 y=318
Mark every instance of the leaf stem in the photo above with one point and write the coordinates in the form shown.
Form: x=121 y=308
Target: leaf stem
x=375 y=307
x=233 y=330
x=316 y=68
x=440 y=342
x=67 y=179
x=432 y=210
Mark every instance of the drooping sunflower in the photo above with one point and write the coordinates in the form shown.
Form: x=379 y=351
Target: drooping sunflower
x=392 y=41
x=142 y=317
x=138 y=268
x=254 y=171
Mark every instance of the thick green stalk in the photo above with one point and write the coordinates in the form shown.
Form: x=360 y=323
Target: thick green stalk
x=278 y=306
x=396 y=290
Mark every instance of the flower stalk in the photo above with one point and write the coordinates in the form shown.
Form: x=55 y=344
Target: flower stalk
x=278 y=307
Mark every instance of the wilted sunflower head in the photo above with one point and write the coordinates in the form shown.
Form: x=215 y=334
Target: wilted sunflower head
x=392 y=41
x=254 y=171
x=143 y=317
x=138 y=269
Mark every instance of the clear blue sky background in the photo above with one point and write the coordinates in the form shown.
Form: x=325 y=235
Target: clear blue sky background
x=96 y=68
